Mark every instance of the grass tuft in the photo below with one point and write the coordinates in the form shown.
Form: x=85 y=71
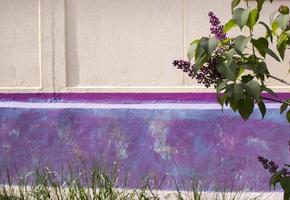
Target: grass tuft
x=100 y=183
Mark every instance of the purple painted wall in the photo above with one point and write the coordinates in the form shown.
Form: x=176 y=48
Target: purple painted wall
x=173 y=139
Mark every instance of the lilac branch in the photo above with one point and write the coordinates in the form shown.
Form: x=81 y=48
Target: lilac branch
x=278 y=79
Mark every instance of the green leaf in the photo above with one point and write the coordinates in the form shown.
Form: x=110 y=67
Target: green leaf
x=238 y=91
x=253 y=89
x=239 y=72
x=275 y=178
x=283 y=107
x=228 y=69
x=226 y=41
x=208 y=45
x=200 y=62
x=229 y=25
x=253 y=18
x=240 y=43
x=221 y=100
x=245 y=107
x=229 y=54
x=282 y=44
x=285 y=184
x=283 y=21
x=269 y=32
x=246 y=66
x=191 y=49
x=247 y=78
x=235 y=3
x=288 y=116
x=284 y=10
x=241 y=16
x=261 y=68
x=230 y=90
x=260 y=4
x=286 y=196
x=233 y=105
x=221 y=86
x=270 y=91
x=261 y=45
x=199 y=52
x=275 y=26
x=262 y=108
x=272 y=54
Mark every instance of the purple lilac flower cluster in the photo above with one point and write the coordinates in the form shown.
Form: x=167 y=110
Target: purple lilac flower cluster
x=216 y=28
x=185 y=66
x=208 y=73
x=270 y=165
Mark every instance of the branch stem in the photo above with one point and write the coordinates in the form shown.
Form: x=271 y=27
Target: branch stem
x=278 y=79
x=275 y=100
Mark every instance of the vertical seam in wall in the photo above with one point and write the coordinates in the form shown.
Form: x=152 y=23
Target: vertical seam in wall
x=40 y=45
x=65 y=44
x=184 y=37
x=52 y=29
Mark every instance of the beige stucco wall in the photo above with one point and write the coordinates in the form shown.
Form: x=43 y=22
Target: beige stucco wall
x=105 y=45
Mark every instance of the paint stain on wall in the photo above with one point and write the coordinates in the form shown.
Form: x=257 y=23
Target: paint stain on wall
x=219 y=148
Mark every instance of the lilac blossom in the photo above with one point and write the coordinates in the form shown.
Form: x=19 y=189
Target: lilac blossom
x=216 y=28
x=185 y=66
x=271 y=166
x=208 y=73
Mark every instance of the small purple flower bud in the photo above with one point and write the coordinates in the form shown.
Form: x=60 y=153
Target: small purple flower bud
x=284 y=171
x=210 y=13
x=208 y=74
x=264 y=162
x=272 y=167
x=185 y=66
x=216 y=28
x=271 y=163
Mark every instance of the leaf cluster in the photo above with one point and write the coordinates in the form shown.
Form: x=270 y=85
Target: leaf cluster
x=283 y=180
x=242 y=63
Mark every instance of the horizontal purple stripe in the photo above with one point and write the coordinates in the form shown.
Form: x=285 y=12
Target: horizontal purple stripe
x=117 y=97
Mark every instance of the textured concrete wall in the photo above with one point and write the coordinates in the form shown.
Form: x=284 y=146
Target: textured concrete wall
x=67 y=46
x=105 y=45
x=177 y=139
